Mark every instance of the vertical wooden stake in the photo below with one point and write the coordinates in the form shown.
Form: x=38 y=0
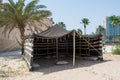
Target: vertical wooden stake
x=73 y=48
x=47 y=47
x=57 y=49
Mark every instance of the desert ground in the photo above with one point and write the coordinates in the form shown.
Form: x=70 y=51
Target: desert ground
x=13 y=67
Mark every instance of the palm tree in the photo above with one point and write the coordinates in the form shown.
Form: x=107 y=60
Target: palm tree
x=61 y=24
x=115 y=21
x=79 y=31
x=100 y=29
x=18 y=15
x=92 y=33
x=85 y=22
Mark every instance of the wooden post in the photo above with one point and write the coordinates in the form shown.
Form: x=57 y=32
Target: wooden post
x=47 y=47
x=67 y=47
x=73 y=48
x=88 y=47
x=57 y=49
x=80 y=46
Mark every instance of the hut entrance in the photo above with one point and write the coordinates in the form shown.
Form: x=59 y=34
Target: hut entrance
x=57 y=49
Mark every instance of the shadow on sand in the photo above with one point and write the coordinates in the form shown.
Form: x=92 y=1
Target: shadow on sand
x=50 y=66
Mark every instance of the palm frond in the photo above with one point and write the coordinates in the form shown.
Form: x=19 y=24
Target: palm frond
x=115 y=20
x=20 y=5
x=12 y=3
x=45 y=13
x=11 y=29
x=30 y=6
x=17 y=15
x=39 y=7
x=37 y=15
x=6 y=28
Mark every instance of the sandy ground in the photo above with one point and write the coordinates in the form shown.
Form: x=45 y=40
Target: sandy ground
x=12 y=67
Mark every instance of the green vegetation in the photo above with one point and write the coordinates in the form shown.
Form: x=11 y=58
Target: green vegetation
x=100 y=29
x=115 y=20
x=116 y=50
x=62 y=24
x=18 y=15
x=92 y=33
x=79 y=31
x=85 y=22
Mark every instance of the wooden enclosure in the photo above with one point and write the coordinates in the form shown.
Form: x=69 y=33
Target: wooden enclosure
x=54 y=44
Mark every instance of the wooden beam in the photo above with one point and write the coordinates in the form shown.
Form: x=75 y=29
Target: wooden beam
x=73 y=48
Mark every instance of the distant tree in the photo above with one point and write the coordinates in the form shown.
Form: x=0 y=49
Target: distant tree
x=85 y=22
x=93 y=33
x=100 y=29
x=115 y=20
x=79 y=31
x=62 y=24
x=18 y=15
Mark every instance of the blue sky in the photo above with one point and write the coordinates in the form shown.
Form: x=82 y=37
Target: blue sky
x=72 y=11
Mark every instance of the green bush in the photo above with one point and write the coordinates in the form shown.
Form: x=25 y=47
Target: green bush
x=116 y=50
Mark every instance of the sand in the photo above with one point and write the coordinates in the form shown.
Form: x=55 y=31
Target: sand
x=109 y=69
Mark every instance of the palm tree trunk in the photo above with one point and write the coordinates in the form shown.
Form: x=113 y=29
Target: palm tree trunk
x=22 y=30
x=84 y=30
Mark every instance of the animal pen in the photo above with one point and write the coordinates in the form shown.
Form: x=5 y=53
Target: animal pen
x=57 y=43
